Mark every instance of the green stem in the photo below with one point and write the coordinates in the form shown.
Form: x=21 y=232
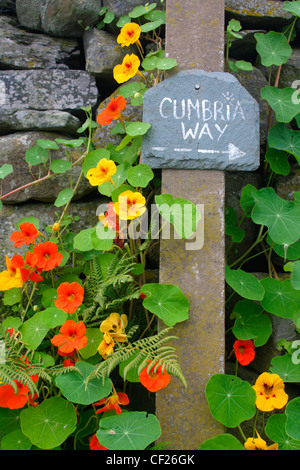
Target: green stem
x=260 y=237
x=242 y=434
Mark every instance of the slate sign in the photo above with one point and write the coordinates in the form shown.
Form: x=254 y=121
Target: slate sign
x=201 y=120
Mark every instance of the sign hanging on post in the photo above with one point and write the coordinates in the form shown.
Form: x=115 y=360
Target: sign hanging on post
x=201 y=120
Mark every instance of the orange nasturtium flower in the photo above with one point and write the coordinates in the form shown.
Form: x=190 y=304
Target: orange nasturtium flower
x=128 y=69
x=71 y=337
x=48 y=256
x=9 y=398
x=155 y=379
x=244 y=351
x=270 y=394
x=13 y=276
x=112 y=111
x=130 y=205
x=28 y=233
x=103 y=172
x=258 y=443
x=129 y=34
x=113 y=329
x=95 y=444
x=113 y=402
x=70 y=296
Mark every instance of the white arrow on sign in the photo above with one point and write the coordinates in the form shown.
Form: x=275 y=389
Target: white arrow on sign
x=233 y=152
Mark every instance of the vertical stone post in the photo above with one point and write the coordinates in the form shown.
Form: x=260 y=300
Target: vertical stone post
x=195 y=37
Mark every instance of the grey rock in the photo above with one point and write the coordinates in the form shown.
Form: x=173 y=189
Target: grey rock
x=65 y=90
x=13 y=148
x=286 y=186
x=123 y=7
x=102 y=52
x=67 y=19
x=7 y=6
x=255 y=14
x=20 y=49
x=201 y=120
x=31 y=120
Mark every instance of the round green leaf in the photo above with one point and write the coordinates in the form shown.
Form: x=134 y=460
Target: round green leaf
x=64 y=197
x=75 y=387
x=245 y=284
x=33 y=331
x=278 y=161
x=60 y=166
x=282 y=102
x=9 y=420
x=137 y=128
x=222 y=442
x=280 y=297
x=134 y=430
x=94 y=336
x=250 y=323
x=140 y=175
x=5 y=170
x=83 y=240
x=49 y=424
x=167 y=302
x=12 y=296
x=36 y=155
x=294 y=267
x=15 y=441
x=292 y=412
x=280 y=216
x=292 y=7
x=281 y=137
x=247 y=201
x=53 y=317
x=103 y=237
x=141 y=10
x=231 y=400
x=33 y=220
x=47 y=144
x=273 y=48
x=275 y=430
x=284 y=366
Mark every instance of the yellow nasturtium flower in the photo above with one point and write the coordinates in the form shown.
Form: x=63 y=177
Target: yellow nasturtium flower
x=130 y=205
x=12 y=276
x=270 y=394
x=258 y=443
x=113 y=329
x=128 y=69
x=103 y=172
x=129 y=34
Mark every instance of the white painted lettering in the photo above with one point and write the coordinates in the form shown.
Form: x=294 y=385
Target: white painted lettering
x=218 y=106
x=189 y=132
x=206 y=110
x=182 y=109
x=194 y=106
x=161 y=105
x=238 y=110
x=205 y=131
x=221 y=130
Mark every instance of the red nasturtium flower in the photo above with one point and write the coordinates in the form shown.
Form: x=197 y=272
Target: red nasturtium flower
x=9 y=398
x=71 y=337
x=155 y=379
x=95 y=444
x=48 y=256
x=28 y=233
x=244 y=351
x=70 y=296
x=31 y=260
x=113 y=402
x=112 y=111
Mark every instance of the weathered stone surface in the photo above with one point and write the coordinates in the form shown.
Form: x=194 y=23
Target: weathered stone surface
x=23 y=50
x=7 y=6
x=255 y=14
x=201 y=120
x=31 y=120
x=122 y=7
x=102 y=52
x=286 y=186
x=66 y=19
x=13 y=148
x=65 y=90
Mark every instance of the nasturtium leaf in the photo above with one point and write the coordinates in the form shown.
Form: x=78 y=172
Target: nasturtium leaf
x=130 y=89
x=11 y=322
x=280 y=297
x=118 y=178
x=5 y=170
x=53 y=317
x=294 y=267
x=292 y=412
x=275 y=430
x=278 y=161
x=15 y=440
x=231 y=228
x=222 y=442
x=280 y=216
x=77 y=389
x=33 y=331
x=47 y=144
x=134 y=430
x=93 y=158
x=60 y=166
x=73 y=143
x=281 y=137
x=292 y=7
x=103 y=237
x=250 y=322
x=181 y=213
x=151 y=25
x=64 y=196
x=167 y=302
x=33 y=220
x=137 y=128
x=245 y=284
x=12 y=296
x=9 y=420
x=247 y=201
x=273 y=48
x=128 y=371
x=94 y=336
x=40 y=357
x=286 y=368
x=140 y=175
x=244 y=65
x=230 y=399
x=49 y=295
x=83 y=240
x=49 y=424
x=123 y=20
x=282 y=102
x=36 y=155
x=290 y=252
x=141 y=10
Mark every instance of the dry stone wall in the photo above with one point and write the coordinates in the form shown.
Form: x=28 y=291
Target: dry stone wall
x=54 y=61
